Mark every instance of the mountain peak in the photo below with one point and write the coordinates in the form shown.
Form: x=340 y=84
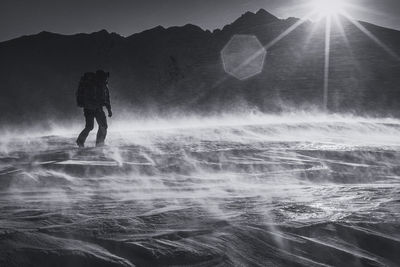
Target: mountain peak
x=265 y=13
x=46 y=34
x=261 y=14
x=101 y=32
x=250 y=19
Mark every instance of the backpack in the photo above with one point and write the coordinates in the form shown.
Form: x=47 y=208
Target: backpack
x=86 y=89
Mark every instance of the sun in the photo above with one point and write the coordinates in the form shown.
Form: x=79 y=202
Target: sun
x=325 y=8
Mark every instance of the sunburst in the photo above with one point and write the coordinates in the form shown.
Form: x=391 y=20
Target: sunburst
x=327 y=11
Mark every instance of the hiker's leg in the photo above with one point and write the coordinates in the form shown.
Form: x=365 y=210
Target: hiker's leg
x=89 y=118
x=102 y=122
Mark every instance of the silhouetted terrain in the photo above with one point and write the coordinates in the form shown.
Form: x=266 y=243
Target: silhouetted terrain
x=227 y=189
x=180 y=69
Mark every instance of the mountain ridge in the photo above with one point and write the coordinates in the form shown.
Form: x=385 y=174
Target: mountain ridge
x=160 y=27
x=179 y=69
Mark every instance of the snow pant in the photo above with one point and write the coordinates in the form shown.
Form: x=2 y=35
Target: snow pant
x=90 y=115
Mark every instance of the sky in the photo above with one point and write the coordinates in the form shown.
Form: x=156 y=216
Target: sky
x=125 y=17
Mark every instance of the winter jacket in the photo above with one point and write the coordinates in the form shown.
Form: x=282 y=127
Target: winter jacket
x=93 y=93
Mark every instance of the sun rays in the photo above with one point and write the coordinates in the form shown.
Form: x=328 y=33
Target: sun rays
x=329 y=16
x=325 y=11
x=328 y=29
x=371 y=36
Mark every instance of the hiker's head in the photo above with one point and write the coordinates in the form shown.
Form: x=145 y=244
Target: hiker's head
x=102 y=75
x=90 y=76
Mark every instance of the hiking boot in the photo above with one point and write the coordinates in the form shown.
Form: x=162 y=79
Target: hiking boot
x=101 y=144
x=80 y=144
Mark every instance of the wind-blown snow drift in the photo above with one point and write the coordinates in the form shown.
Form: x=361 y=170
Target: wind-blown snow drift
x=254 y=190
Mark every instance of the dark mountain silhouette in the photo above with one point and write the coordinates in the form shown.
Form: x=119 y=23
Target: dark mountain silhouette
x=179 y=69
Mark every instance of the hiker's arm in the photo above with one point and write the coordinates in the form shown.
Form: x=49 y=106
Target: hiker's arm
x=107 y=98
x=108 y=104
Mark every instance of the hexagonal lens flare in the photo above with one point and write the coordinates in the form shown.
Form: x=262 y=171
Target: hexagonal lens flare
x=243 y=56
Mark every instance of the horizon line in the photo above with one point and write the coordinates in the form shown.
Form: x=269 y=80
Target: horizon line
x=169 y=27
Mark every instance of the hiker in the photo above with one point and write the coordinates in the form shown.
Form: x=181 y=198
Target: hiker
x=92 y=95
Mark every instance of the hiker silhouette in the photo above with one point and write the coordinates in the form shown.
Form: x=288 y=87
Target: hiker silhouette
x=92 y=95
